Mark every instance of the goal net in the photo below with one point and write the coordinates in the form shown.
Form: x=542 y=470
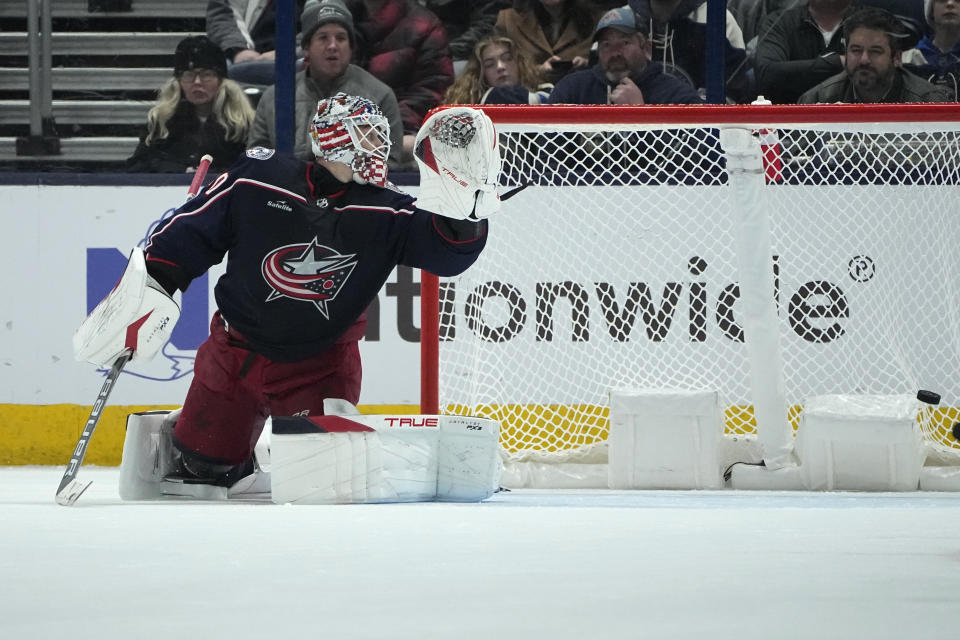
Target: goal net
x=769 y=253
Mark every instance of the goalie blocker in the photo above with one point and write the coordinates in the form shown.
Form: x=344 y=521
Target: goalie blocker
x=137 y=317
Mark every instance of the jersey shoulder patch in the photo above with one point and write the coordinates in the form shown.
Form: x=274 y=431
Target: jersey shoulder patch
x=260 y=153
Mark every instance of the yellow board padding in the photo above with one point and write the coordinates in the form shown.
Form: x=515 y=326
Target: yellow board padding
x=559 y=427
x=556 y=427
x=46 y=434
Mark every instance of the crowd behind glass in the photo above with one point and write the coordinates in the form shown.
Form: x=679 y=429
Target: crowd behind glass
x=410 y=56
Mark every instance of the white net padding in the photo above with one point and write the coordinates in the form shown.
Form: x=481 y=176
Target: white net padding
x=621 y=266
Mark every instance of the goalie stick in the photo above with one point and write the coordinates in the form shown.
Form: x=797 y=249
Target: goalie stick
x=512 y=192
x=71 y=488
x=198 y=177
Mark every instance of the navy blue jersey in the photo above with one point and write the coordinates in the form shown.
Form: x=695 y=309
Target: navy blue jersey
x=305 y=253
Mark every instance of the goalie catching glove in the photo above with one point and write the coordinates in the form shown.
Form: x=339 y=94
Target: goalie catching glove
x=138 y=316
x=459 y=160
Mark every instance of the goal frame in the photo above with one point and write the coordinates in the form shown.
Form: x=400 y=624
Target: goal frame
x=602 y=117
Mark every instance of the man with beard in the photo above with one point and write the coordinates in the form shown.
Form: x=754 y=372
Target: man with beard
x=800 y=47
x=872 y=69
x=624 y=73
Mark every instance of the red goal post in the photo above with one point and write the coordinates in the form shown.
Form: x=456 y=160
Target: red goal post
x=645 y=247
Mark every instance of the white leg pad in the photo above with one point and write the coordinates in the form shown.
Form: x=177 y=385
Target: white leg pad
x=332 y=459
x=469 y=466
x=147 y=454
x=353 y=467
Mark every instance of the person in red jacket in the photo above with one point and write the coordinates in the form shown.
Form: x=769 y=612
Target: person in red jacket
x=405 y=46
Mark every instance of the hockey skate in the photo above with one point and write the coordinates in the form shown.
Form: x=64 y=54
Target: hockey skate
x=153 y=469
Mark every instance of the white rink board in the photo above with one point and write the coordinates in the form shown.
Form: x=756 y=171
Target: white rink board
x=46 y=234
x=48 y=231
x=888 y=232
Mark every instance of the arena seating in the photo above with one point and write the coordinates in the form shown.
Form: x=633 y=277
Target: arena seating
x=107 y=66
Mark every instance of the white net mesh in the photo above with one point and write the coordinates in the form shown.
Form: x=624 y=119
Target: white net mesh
x=618 y=268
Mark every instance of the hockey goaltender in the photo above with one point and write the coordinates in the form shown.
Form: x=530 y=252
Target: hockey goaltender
x=308 y=247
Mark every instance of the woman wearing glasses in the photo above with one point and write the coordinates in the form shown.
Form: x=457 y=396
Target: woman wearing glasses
x=198 y=111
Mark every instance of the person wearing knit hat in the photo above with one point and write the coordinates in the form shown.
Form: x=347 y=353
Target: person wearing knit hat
x=328 y=44
x=320 y=12
x=198 y=111
x=937 y=56
x=195 y=52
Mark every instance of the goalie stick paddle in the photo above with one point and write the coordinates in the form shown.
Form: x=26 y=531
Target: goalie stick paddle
x=70 y=488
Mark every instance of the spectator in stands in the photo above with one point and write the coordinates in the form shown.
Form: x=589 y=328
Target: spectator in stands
x=405 y=46
x=872 y=66
x=555 y=34
x=799 y=48
x=750 y=14
x=245 y=30
x=198 y=111
x=498 y=73
x=678 y=31
x=937 y=55
x=910 y=14
x=466 y=22
x=624 y=74
x=328 y=40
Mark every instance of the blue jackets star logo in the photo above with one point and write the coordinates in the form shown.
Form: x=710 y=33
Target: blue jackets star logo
x=308 y=272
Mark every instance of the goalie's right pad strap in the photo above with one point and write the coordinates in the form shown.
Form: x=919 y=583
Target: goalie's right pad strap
x=137 y=316
x=459 y=160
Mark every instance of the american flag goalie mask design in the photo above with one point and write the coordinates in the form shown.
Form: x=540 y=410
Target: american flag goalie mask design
x=352 y=130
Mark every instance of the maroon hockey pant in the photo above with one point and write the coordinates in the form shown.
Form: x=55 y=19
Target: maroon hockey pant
x=234 y=390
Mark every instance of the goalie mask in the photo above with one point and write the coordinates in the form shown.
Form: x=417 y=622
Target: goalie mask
x=352 y=130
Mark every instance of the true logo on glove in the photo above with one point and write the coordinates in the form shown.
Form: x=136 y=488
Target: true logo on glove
x=454 y=177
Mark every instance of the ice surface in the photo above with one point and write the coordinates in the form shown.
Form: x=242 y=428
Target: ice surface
x=525 y=564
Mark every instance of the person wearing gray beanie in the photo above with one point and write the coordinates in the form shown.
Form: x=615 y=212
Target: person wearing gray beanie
x=320 y=12
x=327 y=40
